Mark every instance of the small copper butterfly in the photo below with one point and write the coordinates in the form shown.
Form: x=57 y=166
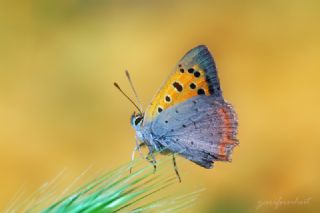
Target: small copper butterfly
x=188 y=116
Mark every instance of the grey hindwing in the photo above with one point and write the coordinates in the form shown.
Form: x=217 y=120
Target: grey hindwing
x=193 y=129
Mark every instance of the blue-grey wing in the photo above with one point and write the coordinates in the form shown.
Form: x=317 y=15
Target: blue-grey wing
x=202 y=129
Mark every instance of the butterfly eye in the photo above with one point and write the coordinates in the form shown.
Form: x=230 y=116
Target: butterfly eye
x=137 y=120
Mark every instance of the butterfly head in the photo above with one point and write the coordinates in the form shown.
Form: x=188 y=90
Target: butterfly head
x=136 y=120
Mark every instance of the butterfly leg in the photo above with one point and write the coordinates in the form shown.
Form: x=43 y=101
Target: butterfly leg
x=139 y=145
x=136 y=148
x=132 y=158
x=152 y=160
x=175 y=167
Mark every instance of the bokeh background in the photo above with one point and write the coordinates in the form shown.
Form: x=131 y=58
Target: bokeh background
x=59 y=109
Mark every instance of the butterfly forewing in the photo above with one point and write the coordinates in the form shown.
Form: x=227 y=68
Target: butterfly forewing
x=194 y=75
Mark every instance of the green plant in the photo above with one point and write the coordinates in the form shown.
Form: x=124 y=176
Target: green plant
x=116 y=191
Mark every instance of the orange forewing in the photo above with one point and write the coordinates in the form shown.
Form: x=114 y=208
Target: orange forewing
x=169 y=95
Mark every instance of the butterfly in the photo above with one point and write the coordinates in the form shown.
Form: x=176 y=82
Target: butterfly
x=188 y=116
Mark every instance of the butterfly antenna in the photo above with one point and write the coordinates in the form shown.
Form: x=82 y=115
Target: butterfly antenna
x=118 y=87
x=134 y=91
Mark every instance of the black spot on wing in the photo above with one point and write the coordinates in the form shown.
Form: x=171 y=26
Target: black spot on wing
x=201 y=92
x=167 y=98
x=190 y=70
x=196 y=74
x=192 y=86
x=177 y=86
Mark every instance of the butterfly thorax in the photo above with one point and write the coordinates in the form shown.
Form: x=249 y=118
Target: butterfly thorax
x=143 y=133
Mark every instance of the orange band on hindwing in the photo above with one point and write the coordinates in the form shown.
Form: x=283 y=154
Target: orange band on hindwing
x=228 y=131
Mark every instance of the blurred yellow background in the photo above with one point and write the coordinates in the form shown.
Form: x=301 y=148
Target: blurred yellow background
x=58 y=106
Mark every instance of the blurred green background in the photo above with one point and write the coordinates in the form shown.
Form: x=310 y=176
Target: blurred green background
x=58 y=106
